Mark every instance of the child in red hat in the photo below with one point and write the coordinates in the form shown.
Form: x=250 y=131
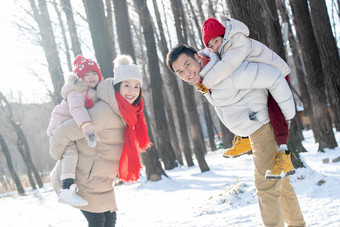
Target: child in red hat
x=79 y=94
x=229 y=39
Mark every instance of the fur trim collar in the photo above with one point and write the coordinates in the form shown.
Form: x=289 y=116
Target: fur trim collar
x=76 y=83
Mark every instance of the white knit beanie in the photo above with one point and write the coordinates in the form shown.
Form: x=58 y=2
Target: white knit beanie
x=124 y=69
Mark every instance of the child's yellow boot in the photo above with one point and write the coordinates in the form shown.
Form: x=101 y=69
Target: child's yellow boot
x=281 y=164
x=240 y=147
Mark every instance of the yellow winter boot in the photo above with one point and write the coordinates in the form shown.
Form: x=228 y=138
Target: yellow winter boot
x=276 y=171
x=240 y=147
x=282 y=166
x=288 y=167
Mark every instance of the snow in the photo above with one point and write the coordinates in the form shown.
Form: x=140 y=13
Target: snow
x=224 y=196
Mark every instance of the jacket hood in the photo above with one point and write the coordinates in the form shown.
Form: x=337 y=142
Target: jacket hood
x=232 y=27
x=106 y=92
x=73 y=83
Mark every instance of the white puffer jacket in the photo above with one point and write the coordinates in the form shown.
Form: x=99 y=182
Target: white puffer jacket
x=240 y=99
x=237 y=47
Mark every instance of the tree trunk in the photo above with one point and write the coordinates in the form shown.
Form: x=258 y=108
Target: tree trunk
x=50 y=48
x=276 y=44
x=328 y=53
x=314 y=73
x=295 y=145
x=175 y=91
x=28 y=166
x=196 y=128
x=173 y=133
x=274 y=29
x=168 y=156
x=249 y=13
x=109 y=20
x=123 y=28
x=11 y=169
x=100 y=35
x=209 y=123
x=63 y=32
x=227 y=137
x=67 y=8
x=153 y=167
x=300 y=73
x=22 y=141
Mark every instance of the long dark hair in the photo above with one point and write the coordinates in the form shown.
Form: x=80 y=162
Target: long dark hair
x=117 y=88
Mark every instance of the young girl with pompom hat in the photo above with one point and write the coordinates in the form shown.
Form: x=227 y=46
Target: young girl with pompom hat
x=79 y=94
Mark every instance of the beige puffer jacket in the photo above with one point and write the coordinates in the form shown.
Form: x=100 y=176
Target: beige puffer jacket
x=237 y=47
x=97 y=167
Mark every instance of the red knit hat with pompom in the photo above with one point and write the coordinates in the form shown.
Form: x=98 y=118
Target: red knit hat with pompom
x=83 y=65
x=211 y=28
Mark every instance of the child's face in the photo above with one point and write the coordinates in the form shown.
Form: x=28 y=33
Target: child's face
x=91 y=79
x=130 y=89
x=188 y=68
x=214 y=44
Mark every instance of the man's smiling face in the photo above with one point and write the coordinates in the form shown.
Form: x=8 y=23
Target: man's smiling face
x=188 y=68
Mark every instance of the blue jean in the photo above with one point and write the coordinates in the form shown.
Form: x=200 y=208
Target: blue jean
x=105 y=219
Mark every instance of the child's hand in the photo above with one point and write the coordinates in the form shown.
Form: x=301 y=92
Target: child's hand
x=200 y=87
x=90 y=134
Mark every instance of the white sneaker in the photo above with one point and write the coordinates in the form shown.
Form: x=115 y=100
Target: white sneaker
x=70 y=197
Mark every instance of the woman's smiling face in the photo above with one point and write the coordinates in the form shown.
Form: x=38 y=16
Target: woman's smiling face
x=130 y=89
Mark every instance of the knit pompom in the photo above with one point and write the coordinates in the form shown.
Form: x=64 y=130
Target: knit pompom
x=123 y=60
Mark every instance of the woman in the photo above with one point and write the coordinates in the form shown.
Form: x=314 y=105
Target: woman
x=119 y=122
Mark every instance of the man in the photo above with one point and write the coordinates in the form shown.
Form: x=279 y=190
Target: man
x=240 y=101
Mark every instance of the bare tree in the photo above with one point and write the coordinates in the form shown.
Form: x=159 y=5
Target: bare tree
x=10 y=166
x=316 y=85
x=195 y=125
x=109 y=19
x=175 y=91
x=123 y=28
x=42 y=17
x=300 y=73
x=63 y=32
x=22 y=143
x=67 y=8
x=167 y=152
x=329 y=55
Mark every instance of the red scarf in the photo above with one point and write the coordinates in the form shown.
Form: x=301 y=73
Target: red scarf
x=136 y=138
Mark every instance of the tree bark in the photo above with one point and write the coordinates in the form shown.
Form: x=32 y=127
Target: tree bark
x=100 y=35
x=316 y=85
x=227 y=137
x=209 y=123
x=328 y=53
x=109 y=20
x=249 y=12
x=123 y=28
x=67 y=8
x=42 y=17
x=167 y=152
x=196 y=128
x=300 y=73
x=175 y=91
x=153 y=167
x=10 y=166
x=63 y=32
x=173 y=133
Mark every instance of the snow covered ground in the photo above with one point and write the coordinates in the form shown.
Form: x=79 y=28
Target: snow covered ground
x=224 y=196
